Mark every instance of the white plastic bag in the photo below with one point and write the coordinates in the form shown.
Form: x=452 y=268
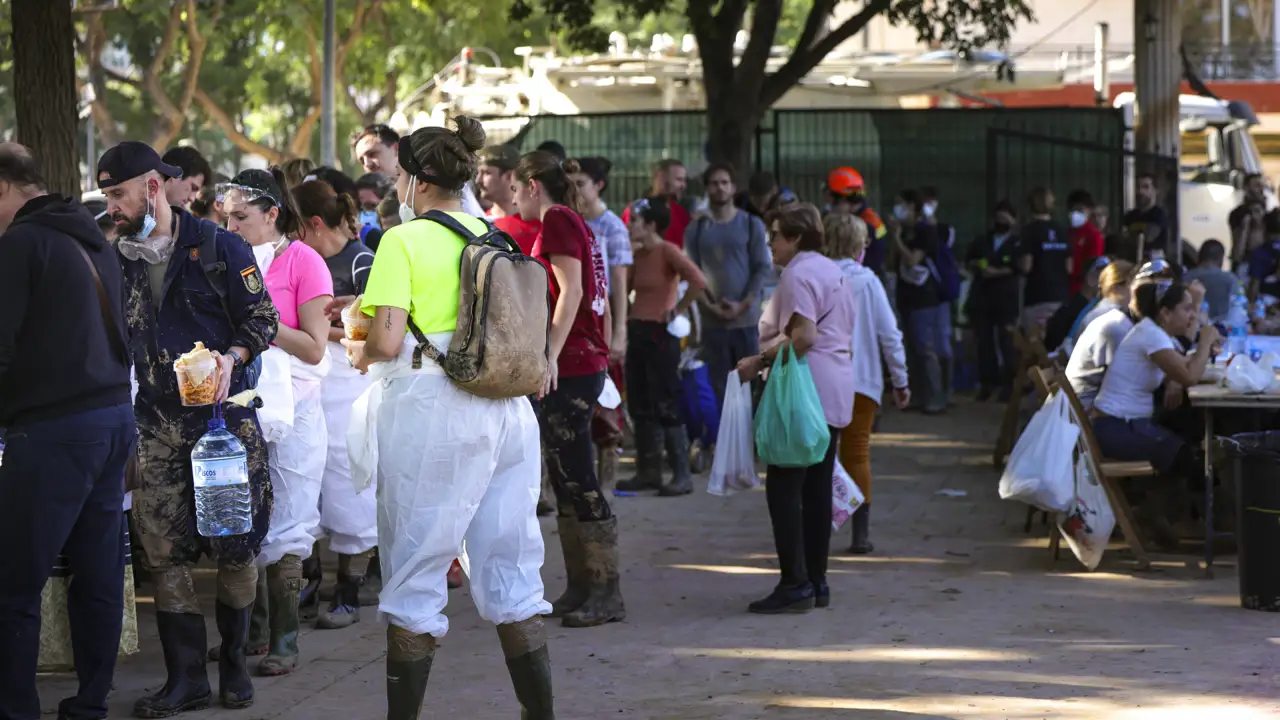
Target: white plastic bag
x=1248 y=377
x=1088 y=524
x=734 y=466
x=275 y=387
x=845 y=497
x=1040 y=468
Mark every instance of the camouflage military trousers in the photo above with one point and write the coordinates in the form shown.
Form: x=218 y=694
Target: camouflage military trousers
x=164 y=503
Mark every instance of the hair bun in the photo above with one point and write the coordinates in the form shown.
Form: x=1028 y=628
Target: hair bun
x=470 y=132
x=571 y=166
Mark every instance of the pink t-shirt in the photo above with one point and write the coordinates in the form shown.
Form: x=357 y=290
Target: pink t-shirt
x=295 y=278
x=813 y=287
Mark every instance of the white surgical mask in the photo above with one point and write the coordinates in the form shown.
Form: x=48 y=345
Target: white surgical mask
x=368 y=217
x=930 y=208
x=900 y=212
x=265 y=254
x=1078 y=219
x=407 y=214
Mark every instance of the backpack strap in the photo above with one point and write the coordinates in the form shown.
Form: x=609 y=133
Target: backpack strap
x=214 y=269
x=424 y=346
x=491 y=234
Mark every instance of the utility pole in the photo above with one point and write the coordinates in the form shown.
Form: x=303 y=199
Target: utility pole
x=1158 y=82
x=328 y=129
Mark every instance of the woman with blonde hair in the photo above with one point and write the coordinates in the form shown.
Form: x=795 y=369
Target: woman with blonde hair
x=875 y=337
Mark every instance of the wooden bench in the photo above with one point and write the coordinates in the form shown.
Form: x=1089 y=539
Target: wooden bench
x=1109 y=472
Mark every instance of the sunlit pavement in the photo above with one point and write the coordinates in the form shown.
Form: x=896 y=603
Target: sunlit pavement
x=957 y=615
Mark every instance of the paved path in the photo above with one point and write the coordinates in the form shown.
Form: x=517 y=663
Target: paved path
x=957 y=615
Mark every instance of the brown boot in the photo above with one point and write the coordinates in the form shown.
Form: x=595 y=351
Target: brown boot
x=524 y=644
x=575 y=567
x=607 y=466
x=600 y=555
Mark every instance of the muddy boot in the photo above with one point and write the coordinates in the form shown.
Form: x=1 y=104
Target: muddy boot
x=344 y=610
x=677 y=444
x=575 y=567
x=309 y=595
x=607 y=466
x=408 y=667
x=372 y=582
x=284 y=584
x=600 y=559
x=648 y=459
x=234 y=686
x=182 y=638
x=524 y=644
x=862 y=530
x=259 y=624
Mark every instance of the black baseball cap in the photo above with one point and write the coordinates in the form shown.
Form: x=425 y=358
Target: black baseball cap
x=131 y=159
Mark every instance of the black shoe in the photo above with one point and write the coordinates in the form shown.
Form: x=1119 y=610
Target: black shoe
x=821 y=595
x=344 y=611
x=234 y=686
x=861 y=522
x=785 y=600
x=182 y=638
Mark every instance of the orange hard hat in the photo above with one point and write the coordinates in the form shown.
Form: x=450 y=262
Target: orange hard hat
x=844 y=181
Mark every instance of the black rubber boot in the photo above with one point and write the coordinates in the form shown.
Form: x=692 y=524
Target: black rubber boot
x=259 y=624
x=575 y=567
x=861 y=522
x=372 y=582
x=234 y=686
x=604 y=595
x=525 y=646
x=183 y=640
x=676 y=440
x=648 y=436
x=344 y=610
x=408 y=668
x=309 y=594
x=284 y=581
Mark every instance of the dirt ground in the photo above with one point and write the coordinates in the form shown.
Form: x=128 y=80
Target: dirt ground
x=958 y=614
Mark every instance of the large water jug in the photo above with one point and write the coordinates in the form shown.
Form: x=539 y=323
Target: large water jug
x=220 y=469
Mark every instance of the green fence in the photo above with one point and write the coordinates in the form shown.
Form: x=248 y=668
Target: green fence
x=955 y=151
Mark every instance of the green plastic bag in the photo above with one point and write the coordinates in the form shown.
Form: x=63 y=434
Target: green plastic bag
x=791 y=429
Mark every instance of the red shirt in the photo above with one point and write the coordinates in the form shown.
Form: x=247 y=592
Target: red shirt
x=524 y=232
x=680 y=220
x=564 y=232
x=1087 y=244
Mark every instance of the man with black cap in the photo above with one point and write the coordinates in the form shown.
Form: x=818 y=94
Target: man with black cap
x=187 y=281
x=64 y=397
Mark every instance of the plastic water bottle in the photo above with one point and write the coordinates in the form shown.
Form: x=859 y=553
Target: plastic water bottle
x=220 y=468
x=1237 y=323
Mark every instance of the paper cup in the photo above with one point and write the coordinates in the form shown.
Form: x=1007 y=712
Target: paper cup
x=355 y=323
x=197 y=382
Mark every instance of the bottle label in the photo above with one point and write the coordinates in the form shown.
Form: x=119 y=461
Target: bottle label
x=228 y=471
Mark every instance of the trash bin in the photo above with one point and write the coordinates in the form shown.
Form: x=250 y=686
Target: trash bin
x=1258 y=536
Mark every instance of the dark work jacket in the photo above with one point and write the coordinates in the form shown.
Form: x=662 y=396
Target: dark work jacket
x=190 y=311
x=994 y=297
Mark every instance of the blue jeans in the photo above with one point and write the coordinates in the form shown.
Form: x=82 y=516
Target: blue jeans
x=722 y=348
x=929 y=354
x=1138 y=440
x=62 y=490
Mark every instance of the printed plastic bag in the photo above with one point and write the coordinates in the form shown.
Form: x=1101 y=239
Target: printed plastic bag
x=845 y=497
x=1248 y=377
x=734 y=465
x=275 y=387
x=791 y=429
x=1040 y=468
x=1088 y=524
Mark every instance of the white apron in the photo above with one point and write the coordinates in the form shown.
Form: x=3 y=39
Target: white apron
x=456 y=474
x=297 y=463
x=350 y=519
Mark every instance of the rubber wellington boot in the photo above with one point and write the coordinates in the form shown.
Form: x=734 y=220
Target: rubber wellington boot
x=525 y=646
x=408 y=667
x=259 y=624
x=648 y=475
x=372 y=586
x=600 y=556
x=284 y=583
x=575 y=567
x=183 y=641
x=309 y=595
x=862 y=530
x=607 y=466
x=676 y=440
x=234 y=686
x=344 y=609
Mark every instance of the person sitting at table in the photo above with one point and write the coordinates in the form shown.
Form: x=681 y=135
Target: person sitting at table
x=1125 y=404
x=1113 y=294
x=1096 y=348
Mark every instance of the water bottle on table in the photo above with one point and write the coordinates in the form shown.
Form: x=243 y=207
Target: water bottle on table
x=220 y=469
x=1238 y=323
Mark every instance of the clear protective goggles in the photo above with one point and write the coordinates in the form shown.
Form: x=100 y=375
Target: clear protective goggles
x=1154 y=268
x=243 y=193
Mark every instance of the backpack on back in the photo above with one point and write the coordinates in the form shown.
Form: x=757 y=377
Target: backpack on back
x=500 y=345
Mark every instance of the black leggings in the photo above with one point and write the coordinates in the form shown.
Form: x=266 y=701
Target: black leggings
x=565 y=421
x=800 y=509
x=653 y=374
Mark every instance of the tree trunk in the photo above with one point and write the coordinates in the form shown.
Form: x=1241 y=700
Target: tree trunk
x=731 y=124
x=44 y=89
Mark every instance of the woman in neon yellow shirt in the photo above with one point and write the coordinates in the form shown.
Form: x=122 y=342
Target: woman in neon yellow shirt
x=453 y=469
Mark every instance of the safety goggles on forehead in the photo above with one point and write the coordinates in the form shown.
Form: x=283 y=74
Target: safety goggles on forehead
x=1153 y=268
x=244 y=193
x=641 y=204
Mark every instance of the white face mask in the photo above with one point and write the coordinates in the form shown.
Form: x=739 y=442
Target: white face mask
x=406 y=209
x=265 y=254
x=900 y=212
x=1078 y=219
x=930 y=208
